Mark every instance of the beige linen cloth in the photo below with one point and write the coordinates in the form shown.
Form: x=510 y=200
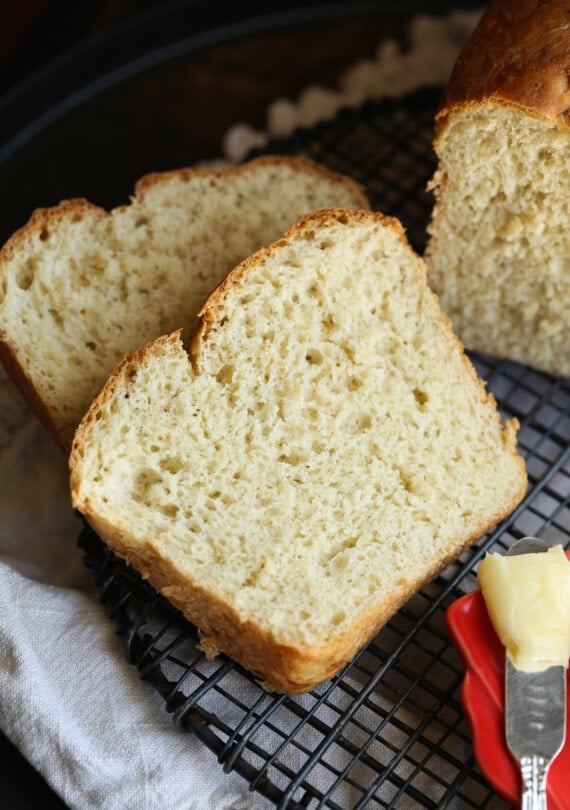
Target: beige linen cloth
x=68 y=699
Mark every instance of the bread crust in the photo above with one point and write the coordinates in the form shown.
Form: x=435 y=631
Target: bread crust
x=298 y=162
x=38 y=226
x=279 y=667
x=518 y=56
x=208 y=313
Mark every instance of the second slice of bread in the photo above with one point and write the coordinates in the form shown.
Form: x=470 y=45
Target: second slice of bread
x=323 y=450
x=81 y=287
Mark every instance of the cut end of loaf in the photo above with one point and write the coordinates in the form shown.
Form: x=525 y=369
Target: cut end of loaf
x=499 y=250
x=326 y=452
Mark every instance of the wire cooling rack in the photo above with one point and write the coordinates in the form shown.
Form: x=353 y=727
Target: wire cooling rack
x=389 y=730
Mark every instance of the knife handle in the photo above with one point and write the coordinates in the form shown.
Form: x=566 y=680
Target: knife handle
x=534 y=771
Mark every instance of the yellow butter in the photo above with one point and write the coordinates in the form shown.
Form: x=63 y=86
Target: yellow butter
x=528 y=601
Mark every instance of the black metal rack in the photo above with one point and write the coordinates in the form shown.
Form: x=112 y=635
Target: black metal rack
x=389 y=730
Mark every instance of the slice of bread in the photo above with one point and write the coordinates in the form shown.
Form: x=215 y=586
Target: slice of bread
x=499 y=247
x=80 y=287
x=323 y=450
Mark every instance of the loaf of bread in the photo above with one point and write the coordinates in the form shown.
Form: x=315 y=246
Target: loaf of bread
x=499 y=249
x=80 y=287
x=320 y=451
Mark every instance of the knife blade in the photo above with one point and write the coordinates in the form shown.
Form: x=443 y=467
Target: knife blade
x=535 y=713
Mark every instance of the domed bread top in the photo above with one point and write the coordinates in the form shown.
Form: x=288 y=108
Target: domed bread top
x=519 y=55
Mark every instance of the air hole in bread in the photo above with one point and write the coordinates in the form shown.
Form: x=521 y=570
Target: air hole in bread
x=173 y=464
x=354 y=384
x=25 y=277
x=55 y=315
x=246 y=299
x=170 y=510
x=295 y=459
x=262 y=409
x=314 y=357
x=420 y=396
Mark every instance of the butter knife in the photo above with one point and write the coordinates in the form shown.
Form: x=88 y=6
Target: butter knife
x=535 y=719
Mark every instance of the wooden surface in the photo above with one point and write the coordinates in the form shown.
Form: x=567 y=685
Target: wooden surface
x=171 y=115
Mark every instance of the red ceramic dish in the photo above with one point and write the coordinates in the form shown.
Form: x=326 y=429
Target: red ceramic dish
x=483 y=700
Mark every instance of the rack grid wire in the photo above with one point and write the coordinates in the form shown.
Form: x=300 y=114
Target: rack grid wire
x=389 y=730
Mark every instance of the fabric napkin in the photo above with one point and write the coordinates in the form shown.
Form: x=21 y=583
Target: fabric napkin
x=68 y=699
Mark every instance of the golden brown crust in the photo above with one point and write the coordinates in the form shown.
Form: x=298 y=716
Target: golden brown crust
x=298 y=162
x=279 y=667
x=42 y=219
x=24 y=385
x=518 y=55
x=306 y=223
x=38 y=227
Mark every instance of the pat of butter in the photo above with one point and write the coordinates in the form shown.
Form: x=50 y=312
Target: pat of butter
x=528 y=601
